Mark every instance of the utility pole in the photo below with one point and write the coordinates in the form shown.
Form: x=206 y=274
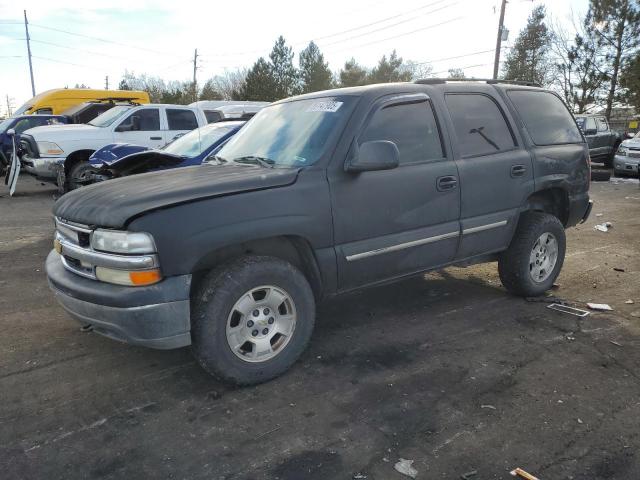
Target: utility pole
x=106 y=82
x=26 y=29
x=195 y=67
x=496 y=61
x=9 y=107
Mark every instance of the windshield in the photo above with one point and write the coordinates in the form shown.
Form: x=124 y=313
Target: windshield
x=290 y=134
x=110 y=116
x=197 y=141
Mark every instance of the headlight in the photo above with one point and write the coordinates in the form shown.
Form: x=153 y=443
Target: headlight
x=49 y=148
x=622 y=151
x=115 y=241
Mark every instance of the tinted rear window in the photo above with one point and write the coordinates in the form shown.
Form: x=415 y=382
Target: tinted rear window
x=181 y=119
x=480 y=126
x=545 y=117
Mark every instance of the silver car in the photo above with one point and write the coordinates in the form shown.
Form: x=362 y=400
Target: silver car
x=627 y=157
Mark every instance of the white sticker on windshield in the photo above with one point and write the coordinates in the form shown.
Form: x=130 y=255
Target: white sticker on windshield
x=324 y=106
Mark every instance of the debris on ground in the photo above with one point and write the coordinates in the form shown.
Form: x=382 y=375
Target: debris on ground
x=570 y=310
x=599 y=214
x=617 y=269
x=555 y=286
x=518 y=472
x=629 y=302
x=615 y=343
x=601 y=307
x=488 y=406
x=359 y=476
x=603 y=227
x=468 y=475
x=547 y=299
x=405 y=467
x=580 y=421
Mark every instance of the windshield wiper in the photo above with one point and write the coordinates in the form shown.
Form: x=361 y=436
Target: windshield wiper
x=216 y=160
x=255 y=160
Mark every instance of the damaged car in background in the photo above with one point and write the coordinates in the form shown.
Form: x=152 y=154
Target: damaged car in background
x=121 y=160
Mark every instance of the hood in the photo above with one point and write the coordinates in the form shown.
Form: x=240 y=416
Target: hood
x=113 y=203
x=113 y=152
x=631 y=143
x=61 y=131
x=142 y=162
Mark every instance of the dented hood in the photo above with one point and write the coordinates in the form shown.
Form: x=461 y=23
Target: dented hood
x=115 y=202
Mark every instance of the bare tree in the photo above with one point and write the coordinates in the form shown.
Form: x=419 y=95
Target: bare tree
x=579 y=69
x=230 y=83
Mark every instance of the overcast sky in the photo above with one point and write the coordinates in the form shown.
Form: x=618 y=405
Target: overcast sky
x=158 y=37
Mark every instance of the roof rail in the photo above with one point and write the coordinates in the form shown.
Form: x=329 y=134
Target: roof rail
x=490 y=81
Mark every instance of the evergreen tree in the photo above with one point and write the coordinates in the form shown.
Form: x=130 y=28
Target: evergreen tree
x=389 y=70
x=630 y=82
x=259 y=83
x=314 y=71
x=528 y=60
x=123 y=85
x=283 y=73
x=617 y=23
x=352 y=74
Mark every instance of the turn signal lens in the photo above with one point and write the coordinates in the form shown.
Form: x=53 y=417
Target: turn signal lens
x=130 y=278
x=145 y=277
x=57 y=246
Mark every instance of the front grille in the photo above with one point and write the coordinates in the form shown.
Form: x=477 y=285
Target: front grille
x=75 y=234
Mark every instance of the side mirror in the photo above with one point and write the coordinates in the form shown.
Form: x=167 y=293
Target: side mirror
x=590 y=131
x=11 y=132
x=374 y=155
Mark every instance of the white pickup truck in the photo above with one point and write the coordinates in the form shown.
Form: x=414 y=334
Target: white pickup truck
x=59 y=153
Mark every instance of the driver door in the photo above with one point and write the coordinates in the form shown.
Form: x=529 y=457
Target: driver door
x=397 y=222
x=141 y=127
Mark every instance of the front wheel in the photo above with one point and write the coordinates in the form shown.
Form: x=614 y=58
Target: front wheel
x=534 y=259
x=80 y=175
x=252 y=319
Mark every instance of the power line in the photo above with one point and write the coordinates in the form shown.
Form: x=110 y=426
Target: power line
x=104 y=40
x=66 y=63
x=117 y=57
x=455 y=57
x=388 y=26
x=463 y=68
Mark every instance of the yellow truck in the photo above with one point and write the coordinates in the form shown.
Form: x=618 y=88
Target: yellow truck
x=57 y=101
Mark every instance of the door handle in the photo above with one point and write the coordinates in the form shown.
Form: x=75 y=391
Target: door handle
x=156 y=138
x=518 y=170
x=448 y=182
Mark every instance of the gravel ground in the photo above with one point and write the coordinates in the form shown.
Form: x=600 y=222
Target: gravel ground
x=447 y=370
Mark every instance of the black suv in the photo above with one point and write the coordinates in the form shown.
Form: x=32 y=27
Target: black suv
x=317 y=195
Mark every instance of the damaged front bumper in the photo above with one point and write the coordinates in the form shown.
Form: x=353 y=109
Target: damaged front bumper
x=156 y=316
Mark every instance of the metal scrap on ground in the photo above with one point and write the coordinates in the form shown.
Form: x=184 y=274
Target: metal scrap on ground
x=603 y=227
x=600 y=307
x=570 y=310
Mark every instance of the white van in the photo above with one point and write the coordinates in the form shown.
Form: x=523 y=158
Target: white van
x=216 y=110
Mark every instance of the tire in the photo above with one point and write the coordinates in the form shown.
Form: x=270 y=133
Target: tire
x=217 y=320
x=516 y=265
x=598 y=175
x=78 y=175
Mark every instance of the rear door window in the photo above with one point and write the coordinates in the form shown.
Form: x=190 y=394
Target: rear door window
x=181 y=119
x=411 y=126
x=602 y=124
x=546 y=117
x=479 y=123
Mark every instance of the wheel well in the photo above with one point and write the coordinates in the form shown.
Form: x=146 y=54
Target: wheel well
x=554 y=201
x=293 y=249
x=75 y=157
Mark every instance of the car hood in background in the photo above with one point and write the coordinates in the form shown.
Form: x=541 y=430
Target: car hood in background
x=142 y=162
x=113 y=203
x=69 y=131
x=631 y=143
x=113 y=152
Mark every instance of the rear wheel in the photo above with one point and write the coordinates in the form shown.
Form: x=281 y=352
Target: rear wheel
x=252 y=319
x=534 y=259
x=80 y=175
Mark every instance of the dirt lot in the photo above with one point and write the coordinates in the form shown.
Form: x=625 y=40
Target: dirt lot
x=447 y=370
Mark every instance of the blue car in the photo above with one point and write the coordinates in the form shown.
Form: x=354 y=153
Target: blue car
x=124 y=159
x=19 y=124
